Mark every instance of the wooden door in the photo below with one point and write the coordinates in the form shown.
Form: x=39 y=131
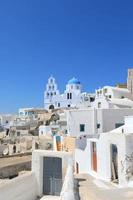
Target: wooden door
x=94 y=156
x=52 y=175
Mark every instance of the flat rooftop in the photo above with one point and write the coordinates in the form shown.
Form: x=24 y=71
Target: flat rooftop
x=4 y=162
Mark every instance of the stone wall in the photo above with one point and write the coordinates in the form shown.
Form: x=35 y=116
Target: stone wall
x=13 y=170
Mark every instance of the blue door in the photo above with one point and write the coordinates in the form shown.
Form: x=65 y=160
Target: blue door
x=52 y=175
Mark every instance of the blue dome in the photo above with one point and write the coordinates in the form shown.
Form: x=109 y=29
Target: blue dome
x=73 y=81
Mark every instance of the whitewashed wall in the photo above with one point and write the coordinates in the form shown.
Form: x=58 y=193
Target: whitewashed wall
x=67 y=192
x=103 y=101
x=20 y=188
x=82 y=157
x=77 y=117
x=124 y=143
x=37 y=164
x=107 y=118
x=44 y=130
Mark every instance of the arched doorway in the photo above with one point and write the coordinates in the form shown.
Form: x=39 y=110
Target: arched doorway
x=51 y=107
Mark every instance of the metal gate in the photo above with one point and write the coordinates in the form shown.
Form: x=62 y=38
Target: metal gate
x=52 y=175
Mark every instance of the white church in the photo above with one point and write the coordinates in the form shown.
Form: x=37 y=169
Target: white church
x=72 y=96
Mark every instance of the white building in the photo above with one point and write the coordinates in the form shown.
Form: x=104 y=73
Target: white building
x=108 y=156
x=5 y=119
x=31 y=112
x=112 y=97
x=71 y=97
x=94 y=121
x=50 y=168
x=50 y=130
x=106 y=113
x=51 y=178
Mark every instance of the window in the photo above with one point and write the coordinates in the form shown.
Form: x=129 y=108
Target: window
x=82 y=127
x=18 y=134
x=54 y=93
x=58 y=104
x=69 y=106
x=77 y=87
x=70 y=95
x=99 y=104
x=51 y=107
x=72 y=87
x=92 y=99
x=110 y=96
x=98 y=126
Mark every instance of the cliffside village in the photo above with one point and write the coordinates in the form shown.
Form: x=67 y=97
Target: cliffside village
x=75 y=133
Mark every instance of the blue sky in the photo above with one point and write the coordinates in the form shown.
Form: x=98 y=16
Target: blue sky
x=89 y=39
